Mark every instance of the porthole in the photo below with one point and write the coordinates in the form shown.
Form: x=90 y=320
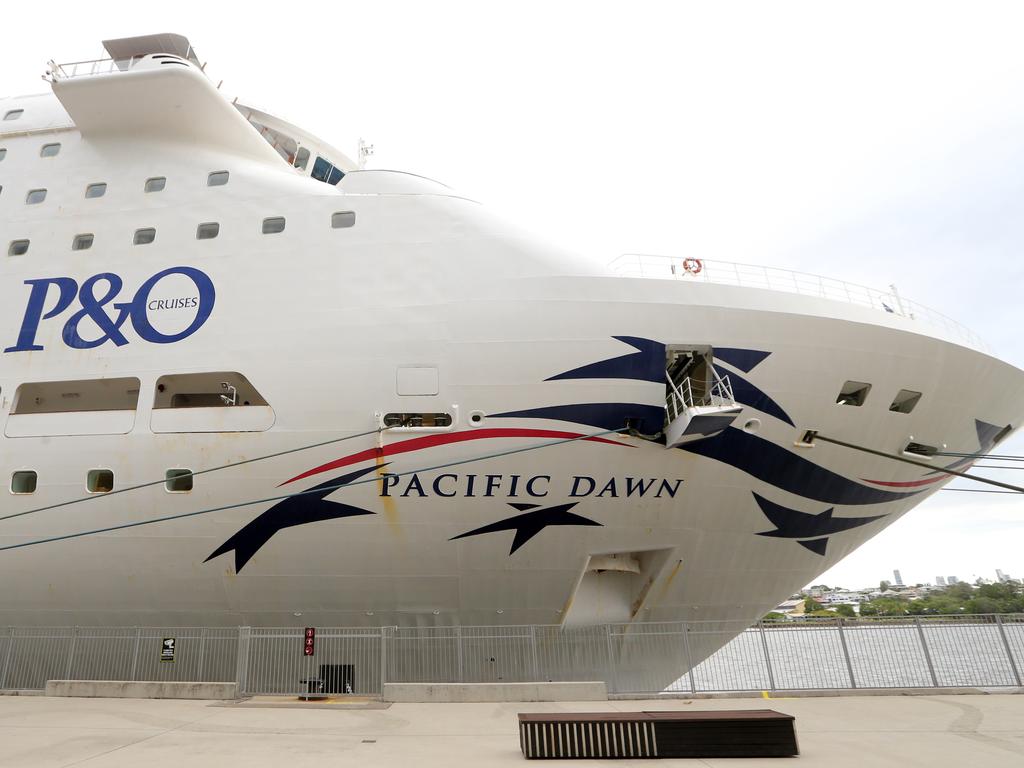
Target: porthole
x=49 y=150
x=144 y=236
x=217 y=179
x=178 y=480
x=99 y=481
x=82 y=242
x=273 y=225
x=156 y=184
x=13 y=114
x=99 y=189
x=343 y=219
x=207 y=231
x=17 y=248
x=24 y=481
x=476 y=418
x=35 y=196
x=752 y=425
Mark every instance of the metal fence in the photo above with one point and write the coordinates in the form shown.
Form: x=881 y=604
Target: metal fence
x=906 y=652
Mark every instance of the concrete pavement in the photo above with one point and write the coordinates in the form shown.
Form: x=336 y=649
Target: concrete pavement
x=986 y=731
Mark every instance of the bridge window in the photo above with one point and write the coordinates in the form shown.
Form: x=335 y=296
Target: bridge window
x=14 y=114
x=178 y=480
x=35 y=196
x=17 y=248
x=273 y=225
x=98 y=189
x=156 y=184
x=207 y=231
x=99 y=481
x=853 y=393
x=343 y=219
x=905 y=401
x=49 y=150
x=24 y=481
x=324 y=170
x=217 y=179
x=144 y=236
x=82 y=242
x=301 y=158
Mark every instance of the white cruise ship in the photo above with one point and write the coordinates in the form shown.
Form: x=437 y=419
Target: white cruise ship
x=244 y=379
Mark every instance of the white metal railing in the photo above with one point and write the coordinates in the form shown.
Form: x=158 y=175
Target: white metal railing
x=788 y=281
x=681 y=395
x=88 y=68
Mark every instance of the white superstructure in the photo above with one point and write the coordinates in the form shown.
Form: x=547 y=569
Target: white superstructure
x=420 y=416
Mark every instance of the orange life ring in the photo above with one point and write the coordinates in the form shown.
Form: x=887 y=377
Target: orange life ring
x=692 y=266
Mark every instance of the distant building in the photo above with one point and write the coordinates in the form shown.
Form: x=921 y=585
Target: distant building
x=940 y=581
x=951 y=580
x=898 y=578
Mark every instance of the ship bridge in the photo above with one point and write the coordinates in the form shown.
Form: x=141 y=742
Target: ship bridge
x=156 y=87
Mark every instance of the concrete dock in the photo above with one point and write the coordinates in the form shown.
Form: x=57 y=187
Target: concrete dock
x=984 y=731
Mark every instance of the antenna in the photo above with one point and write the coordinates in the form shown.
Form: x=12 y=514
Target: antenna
x=365 y=150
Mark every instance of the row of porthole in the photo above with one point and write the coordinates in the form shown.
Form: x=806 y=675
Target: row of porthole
x=47 y=150
x=25 y=481
x=99 y=188
x=205 y=231
x=855 y=393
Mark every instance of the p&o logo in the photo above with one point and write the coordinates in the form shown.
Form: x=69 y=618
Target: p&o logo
x=160 y=311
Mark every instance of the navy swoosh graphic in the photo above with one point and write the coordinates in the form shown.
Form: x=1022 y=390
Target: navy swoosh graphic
x=310 y=507
x=532 y=521
x=748 y=394
x=646 y=364
x=645 y=418
x=777 y=466
x=745 y=360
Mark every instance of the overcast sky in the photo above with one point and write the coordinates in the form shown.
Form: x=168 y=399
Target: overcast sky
x=875 y=142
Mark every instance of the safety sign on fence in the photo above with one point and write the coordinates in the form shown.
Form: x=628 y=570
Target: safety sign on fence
x=167 y=649
x=308 y=648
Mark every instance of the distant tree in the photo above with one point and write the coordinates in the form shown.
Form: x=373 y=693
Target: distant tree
x=773 y=616
x=886 y=606
x=845 y=610
x=824 y=613
x=811 y=605
x=983 y=605
x=883 y=585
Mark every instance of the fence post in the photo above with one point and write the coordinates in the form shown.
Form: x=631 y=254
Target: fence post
x=458 y=651
x=927 y=654
x=383 y=658
x=533 y=652
x=1006 y=647
x=71 y=653
x=242 y=662
x=7 y=659
x=202 y=654
x=611 y=658
x=846 y=654
x=689 y=655
x=135 y=651
x=767 y=657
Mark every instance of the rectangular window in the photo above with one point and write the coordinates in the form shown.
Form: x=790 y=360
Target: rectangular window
x=35 y=196
x=82 y=242
x=417 y=420
x=156 y=184
x=120 y=394
x=24 y=481
x=853 y=393
x=144 y=236
x=273 y=225
x=99 y=481
x=14 y=114
x=178 y=480
x=3 y=154
x=905 y=401
x=99 y=189
x=343 y=219
x=207 y=231
x=17 y=248
x=217 y=179
x=49 y=150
